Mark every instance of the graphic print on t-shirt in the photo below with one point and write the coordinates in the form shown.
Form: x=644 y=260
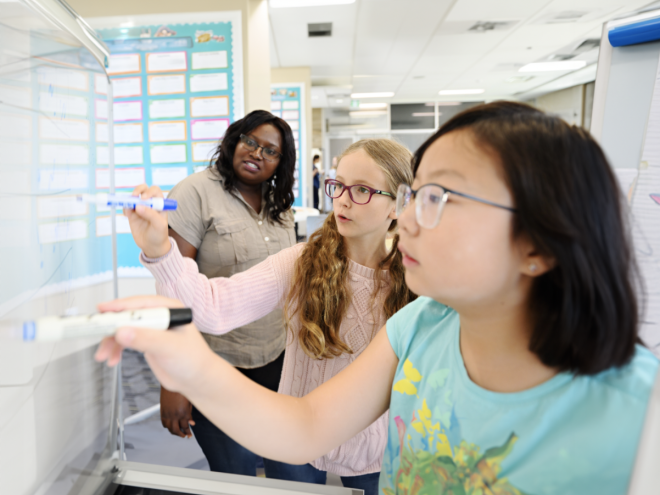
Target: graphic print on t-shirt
x=446 y=464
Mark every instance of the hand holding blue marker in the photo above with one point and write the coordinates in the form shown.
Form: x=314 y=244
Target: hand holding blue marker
x=126 y=201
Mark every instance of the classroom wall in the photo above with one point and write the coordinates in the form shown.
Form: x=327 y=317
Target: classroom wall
x=256 y=47
x=300 y=75
x=572 y=104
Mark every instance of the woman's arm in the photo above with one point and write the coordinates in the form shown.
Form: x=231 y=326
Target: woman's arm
x=280 y=427
x=187 y=249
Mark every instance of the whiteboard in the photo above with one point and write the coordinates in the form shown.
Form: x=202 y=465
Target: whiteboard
x=626 y=122
x=56 y=402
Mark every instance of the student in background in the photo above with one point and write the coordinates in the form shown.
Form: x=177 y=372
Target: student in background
x=519 y=372
x=316 y=175
x=232 y=216
x=337 y=291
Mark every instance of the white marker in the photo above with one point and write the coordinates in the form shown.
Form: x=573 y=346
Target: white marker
x=54 y=328
x=126 y=201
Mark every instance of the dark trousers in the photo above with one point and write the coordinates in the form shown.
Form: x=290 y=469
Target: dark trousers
x=316 y=197
x=224 y=454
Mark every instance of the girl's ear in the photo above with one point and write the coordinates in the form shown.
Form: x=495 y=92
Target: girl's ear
x=392 y=214
x=533 y=263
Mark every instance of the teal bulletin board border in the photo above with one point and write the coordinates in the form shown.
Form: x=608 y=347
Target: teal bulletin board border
x=280 y=95
x=191 y=38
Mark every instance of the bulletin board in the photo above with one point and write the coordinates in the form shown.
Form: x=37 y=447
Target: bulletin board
x=288 y=102
x=177 y=86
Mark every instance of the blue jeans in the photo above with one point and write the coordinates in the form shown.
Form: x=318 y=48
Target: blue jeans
x=309 y=474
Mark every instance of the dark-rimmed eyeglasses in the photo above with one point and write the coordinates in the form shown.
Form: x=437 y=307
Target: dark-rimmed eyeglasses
x=430 y=200
x=359 y=193
x=269 y=154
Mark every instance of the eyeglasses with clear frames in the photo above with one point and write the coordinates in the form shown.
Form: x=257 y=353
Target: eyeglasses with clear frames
x=269 y=154
x=430 y=200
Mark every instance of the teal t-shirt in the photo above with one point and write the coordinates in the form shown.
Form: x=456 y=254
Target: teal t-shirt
x=572 y=435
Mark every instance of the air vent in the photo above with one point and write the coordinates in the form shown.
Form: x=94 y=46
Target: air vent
x=319 y=29
x=484 y=26
x=563 y=17
x=587 y=45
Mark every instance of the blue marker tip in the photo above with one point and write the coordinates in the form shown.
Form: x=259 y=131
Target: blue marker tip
x=29 y=331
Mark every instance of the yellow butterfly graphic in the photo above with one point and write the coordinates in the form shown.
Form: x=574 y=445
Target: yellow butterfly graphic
x=406 y=386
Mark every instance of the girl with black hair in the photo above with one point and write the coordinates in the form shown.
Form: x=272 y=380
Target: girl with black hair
x=232 y=216
x=519 y=371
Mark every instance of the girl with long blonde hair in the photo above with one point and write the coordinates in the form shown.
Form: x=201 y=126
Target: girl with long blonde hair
x=336 y=290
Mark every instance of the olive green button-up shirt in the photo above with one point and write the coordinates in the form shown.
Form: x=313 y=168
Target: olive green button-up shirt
x=230 y=238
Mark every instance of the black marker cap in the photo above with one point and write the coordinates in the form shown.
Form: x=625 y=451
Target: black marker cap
x=180 y=316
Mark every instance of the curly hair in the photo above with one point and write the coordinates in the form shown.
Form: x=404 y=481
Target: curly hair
x=319 y=295
x=279 y=194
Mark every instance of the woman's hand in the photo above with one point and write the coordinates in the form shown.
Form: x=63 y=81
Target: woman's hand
x=148 y=226
x=176 y=413
x=177 y=357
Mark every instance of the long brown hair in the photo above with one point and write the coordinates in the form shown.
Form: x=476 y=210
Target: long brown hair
x=319 y=296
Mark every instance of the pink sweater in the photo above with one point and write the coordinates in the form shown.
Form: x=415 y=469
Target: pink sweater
x=222 y=304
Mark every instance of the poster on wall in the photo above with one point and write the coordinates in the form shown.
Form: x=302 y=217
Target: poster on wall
x=288 y=102
x=177 y=83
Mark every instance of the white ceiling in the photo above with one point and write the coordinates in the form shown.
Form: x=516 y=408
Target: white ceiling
x=416 y=48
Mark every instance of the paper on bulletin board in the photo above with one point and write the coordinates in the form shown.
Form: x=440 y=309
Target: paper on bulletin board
x=177 y=81
x=288 y=102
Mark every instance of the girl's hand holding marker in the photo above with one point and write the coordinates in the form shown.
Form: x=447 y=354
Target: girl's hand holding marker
x=149 y=227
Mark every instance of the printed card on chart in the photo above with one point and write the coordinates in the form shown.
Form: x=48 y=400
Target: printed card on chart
x=168 y=176
x=63 y=78
x=59 y=180
x=101 y=109
x=100 y=84
x=167 y=131
x=209 y=60
x=168 y=153
x=69 y=230
x=55 y=104
x=104 y=225
x=128 y=133
x=68 y=129
x=209 y=106
x=124 y=177
x=126 y=87
x=166 y=85
x=127 y=110
x=216 y=81
x=203 y=151
x=167 y=109
x=63 y=154
x=290 y=115
x=124 y=64
x=124 y=155
x=208 y=129
x=60 y=206
x=167 y=61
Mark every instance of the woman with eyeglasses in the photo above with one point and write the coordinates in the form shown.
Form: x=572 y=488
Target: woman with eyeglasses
x=520 y=371
x=231 y=217
x=336 y=292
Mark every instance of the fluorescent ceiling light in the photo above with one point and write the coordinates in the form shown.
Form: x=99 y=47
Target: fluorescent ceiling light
x=372 y=106
x=423 y=114
x=386 y=94
x=367 y=114
x=280 y=4
x=448 y=92
x=553 y=66
x=449 y=103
